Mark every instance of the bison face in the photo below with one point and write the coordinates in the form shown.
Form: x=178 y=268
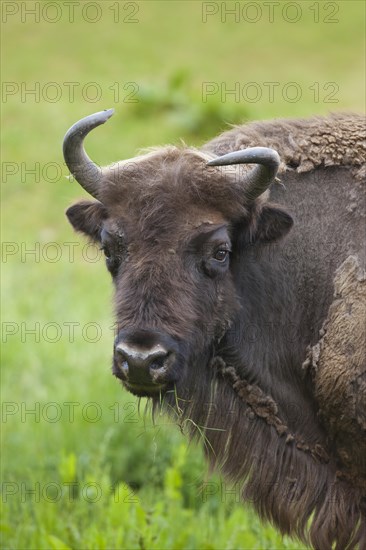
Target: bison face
x=169 y=242
x=173 y=302
x=168 y=224
x=174 y=292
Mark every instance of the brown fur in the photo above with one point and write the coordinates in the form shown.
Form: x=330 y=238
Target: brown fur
x=271 y=425
x=305 y=144
x=338 y=364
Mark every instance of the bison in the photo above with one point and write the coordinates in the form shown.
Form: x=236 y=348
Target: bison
x=240 y=305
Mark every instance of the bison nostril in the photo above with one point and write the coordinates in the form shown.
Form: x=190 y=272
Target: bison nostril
x=123 y=366
x=121 y=358
x=158 y=362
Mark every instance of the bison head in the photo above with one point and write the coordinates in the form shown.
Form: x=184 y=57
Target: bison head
x=172 y=224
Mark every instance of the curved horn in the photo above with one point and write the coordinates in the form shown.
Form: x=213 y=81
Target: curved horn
x=84 y=170
x=260 y=177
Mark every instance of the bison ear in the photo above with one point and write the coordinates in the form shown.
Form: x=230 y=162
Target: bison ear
x=272 y=223
x=87 y=217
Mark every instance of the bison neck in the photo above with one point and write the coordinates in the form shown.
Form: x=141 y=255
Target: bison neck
x=267 y=342
x=250 y=402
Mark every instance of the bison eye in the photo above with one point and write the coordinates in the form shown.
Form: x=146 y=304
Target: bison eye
x=113 y=260
x=221 y=255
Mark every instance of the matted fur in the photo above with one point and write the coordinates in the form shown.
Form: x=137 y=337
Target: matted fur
x=335 y=140
x=250 y=396
x=338 y=367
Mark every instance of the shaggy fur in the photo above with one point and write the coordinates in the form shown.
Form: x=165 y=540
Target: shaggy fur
x=243 y=330
x=305 y=144
x=338 y=367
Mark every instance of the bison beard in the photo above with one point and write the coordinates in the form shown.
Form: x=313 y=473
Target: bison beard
x=199 y=260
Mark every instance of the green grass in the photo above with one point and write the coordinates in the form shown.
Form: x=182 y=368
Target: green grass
x=133 y=484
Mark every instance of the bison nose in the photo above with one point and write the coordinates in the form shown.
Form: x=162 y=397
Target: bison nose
x=141 y=366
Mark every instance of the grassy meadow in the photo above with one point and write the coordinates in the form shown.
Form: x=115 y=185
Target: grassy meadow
x=83 y=466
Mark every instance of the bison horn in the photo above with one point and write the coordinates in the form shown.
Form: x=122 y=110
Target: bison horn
x=85 y=171
x=258 y=179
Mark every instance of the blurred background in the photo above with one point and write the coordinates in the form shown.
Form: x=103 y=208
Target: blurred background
x=83 y=466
